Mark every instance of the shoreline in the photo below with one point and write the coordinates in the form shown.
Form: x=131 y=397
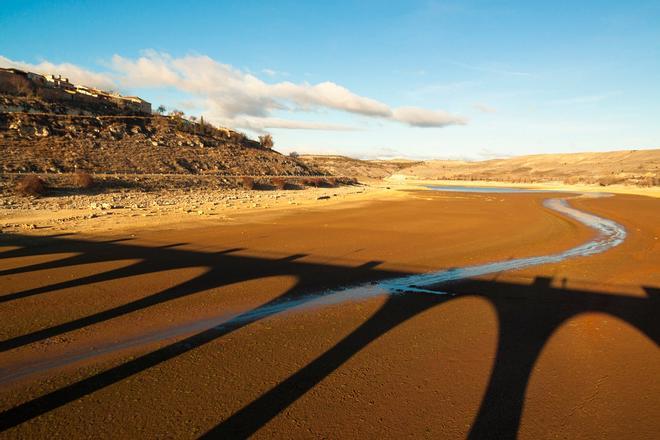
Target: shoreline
x=549 y=186
x=135 y=211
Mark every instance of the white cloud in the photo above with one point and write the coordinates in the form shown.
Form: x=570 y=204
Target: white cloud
x=419 y=117
x=237 y=97
x=259 y=124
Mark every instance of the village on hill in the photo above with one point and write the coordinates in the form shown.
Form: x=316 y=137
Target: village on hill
x=56 y=88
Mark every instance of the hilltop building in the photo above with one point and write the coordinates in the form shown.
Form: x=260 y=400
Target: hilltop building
x=56 y=88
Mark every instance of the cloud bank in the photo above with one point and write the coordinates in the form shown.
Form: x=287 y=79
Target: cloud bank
x=231 y=96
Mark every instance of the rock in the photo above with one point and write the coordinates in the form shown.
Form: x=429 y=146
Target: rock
x=322 y=197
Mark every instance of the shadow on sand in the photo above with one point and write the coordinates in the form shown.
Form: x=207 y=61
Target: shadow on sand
x=527 y=315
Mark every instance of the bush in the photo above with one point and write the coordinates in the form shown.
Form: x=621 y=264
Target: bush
x=319 y=182
x=31 y=186
x=248 y=182
x=83 y=180
x=266 y=141
x=279 y=183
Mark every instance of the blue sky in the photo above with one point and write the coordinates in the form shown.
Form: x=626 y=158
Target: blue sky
x=470 y=79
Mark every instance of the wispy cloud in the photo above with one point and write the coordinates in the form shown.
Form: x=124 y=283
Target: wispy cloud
x=235 y=97
x=494 y=68
x=483 y=108
x=274 y=73
x=585 y=99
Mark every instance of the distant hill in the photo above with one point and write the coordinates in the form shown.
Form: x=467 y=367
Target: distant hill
x=636 y=167
x=361 y=169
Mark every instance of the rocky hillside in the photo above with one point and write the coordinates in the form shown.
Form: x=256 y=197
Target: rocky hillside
x=60 y=143
x=632 y=167
x=361 y=169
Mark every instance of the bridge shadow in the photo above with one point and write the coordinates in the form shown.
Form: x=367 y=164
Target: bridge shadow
x=528 y=315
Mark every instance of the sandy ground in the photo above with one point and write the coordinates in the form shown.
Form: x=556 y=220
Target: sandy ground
x=566 y=350
x=137 y=210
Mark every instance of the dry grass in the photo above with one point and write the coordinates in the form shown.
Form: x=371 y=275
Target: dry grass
x=31 y=185
x=83 y=180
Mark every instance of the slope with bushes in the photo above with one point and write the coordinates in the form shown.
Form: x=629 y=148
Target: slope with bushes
x=56 y=143
x=362 y=169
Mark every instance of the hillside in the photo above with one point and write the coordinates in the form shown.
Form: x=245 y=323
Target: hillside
x=361 y=169
x=635 y=167
x=56 y=143
x=50 y=125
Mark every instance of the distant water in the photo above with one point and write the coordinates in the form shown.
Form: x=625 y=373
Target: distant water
x=483 y=189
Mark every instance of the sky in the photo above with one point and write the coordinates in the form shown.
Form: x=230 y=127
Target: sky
x=419 y=79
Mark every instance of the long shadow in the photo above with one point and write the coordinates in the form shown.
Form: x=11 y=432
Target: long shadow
x=223 y=268
x=249 y=419
x=527 y=314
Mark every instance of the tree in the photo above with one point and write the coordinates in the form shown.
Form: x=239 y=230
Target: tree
x=161 y=109
x=294 y=155
x=176 y=113
x=266 y=141
x=193 y=118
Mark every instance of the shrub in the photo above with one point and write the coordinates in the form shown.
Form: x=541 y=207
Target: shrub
x=279 y=183
x=248 y=182
x=31 y=186
x=83 y=180
x=266 y=141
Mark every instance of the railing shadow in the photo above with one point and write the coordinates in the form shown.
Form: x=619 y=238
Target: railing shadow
x=528 y=315
x=222 y=268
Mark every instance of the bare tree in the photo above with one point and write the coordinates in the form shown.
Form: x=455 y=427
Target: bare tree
x=266 y=141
